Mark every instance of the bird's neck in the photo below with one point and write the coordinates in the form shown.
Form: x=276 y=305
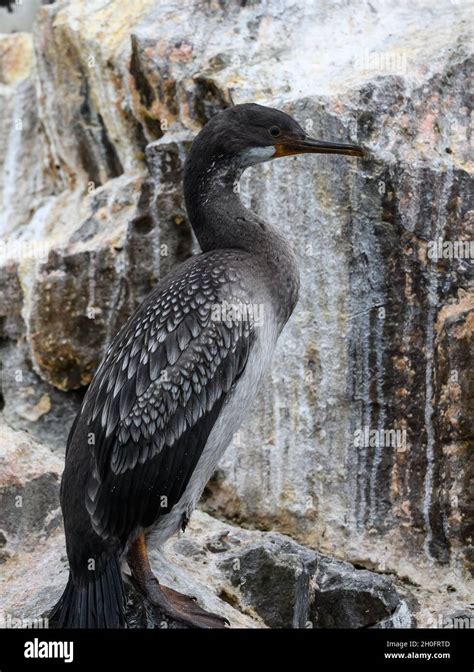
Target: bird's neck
x=221 y=221
x=218 y=217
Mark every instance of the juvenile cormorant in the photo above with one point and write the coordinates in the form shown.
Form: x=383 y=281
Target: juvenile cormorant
x=179 y=377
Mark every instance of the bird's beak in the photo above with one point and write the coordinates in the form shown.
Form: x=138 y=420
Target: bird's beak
x=307 y=145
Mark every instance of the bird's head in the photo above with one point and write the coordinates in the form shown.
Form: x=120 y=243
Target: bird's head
x=251 y=133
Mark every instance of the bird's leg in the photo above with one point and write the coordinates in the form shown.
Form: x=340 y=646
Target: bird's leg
x=176 y=605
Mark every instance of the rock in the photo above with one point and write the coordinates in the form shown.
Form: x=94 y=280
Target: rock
x=16 y=15
x=254 y=579
x=359 y=443
x=353 y=598
x=11 y=323
x=23 y=183
x=291 y=586
x=31 y=404
x=29 y=492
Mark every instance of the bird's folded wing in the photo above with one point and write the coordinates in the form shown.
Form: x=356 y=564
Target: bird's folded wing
x=155 y=399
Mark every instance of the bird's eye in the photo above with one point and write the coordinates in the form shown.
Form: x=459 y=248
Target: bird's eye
x=275 y=131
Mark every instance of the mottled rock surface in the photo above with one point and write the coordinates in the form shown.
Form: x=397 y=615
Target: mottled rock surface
x=29 y=492
x=97 y=109
x=290 y=586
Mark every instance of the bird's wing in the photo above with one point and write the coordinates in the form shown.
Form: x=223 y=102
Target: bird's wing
x=157 y=395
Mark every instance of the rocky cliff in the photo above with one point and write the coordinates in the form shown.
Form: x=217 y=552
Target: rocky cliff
x=360 y=443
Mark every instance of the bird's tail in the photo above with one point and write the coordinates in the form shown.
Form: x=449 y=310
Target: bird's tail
x=97 y=602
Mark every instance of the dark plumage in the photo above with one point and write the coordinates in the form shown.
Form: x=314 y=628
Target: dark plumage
x=178 y=378
x=156 y=427
x=7 y=4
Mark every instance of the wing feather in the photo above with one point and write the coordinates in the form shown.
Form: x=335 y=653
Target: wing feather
x=158 y=393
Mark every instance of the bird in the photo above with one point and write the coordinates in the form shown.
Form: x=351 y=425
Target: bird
x=179 y=378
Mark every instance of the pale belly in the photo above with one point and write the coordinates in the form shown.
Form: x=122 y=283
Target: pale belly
x=236 y=407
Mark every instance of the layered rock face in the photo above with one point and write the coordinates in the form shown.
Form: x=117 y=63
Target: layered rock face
x=360 y=443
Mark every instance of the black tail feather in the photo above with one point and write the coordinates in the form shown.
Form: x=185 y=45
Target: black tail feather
x=98 y=602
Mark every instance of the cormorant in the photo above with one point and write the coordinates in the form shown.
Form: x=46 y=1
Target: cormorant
x=179 y=377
